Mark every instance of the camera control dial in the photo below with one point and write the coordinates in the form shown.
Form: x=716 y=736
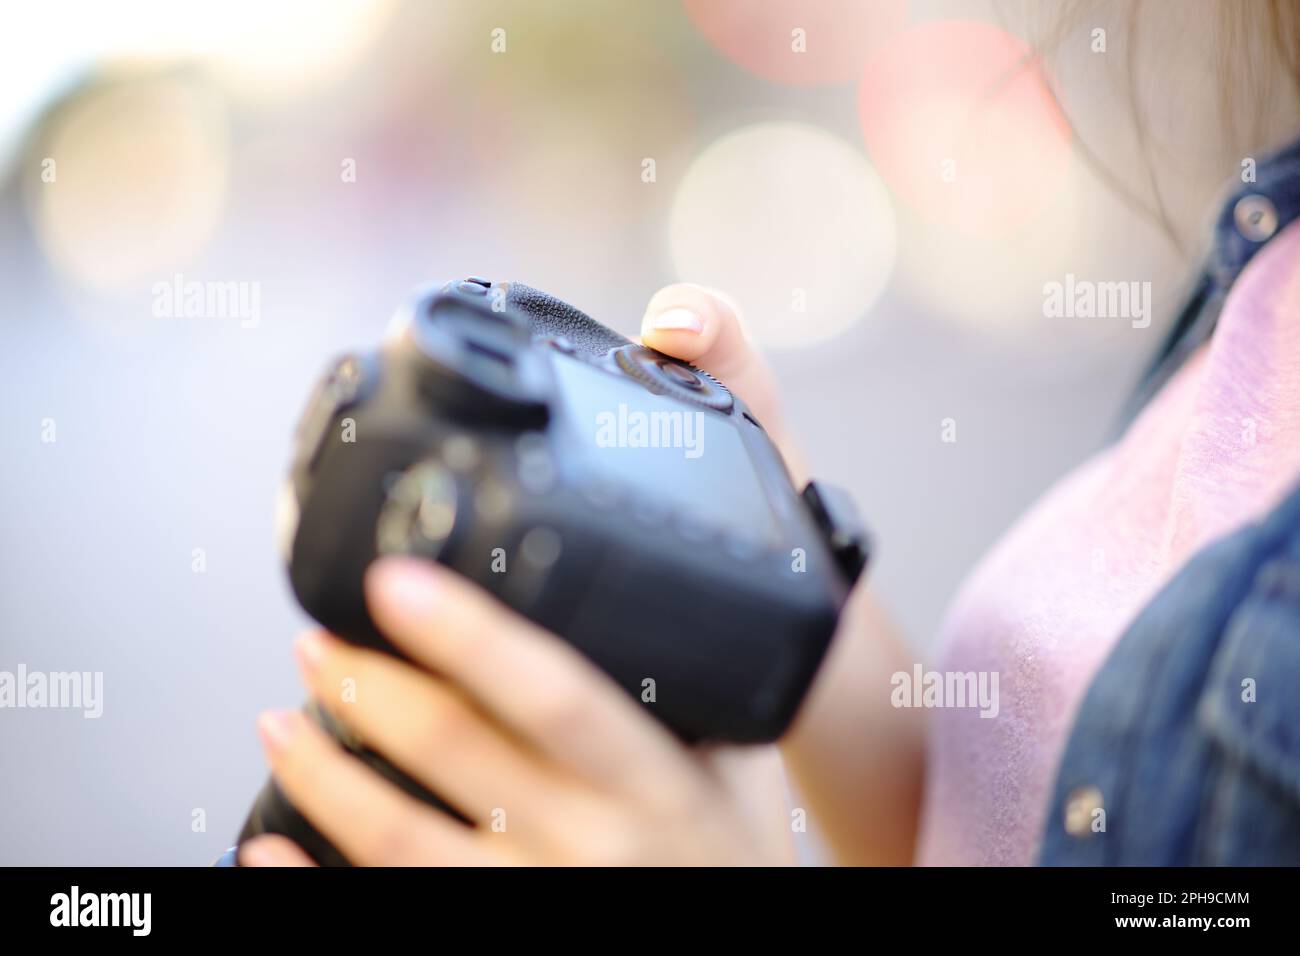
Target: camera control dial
x=664 y=374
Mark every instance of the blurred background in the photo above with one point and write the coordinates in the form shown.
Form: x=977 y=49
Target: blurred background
x=884 y=186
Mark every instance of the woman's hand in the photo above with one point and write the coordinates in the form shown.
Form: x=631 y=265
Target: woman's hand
x=703 y=326
x=551 y=761
x=856 y=759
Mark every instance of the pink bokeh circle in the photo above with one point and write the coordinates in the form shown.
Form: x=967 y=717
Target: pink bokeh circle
x=959 y=120
x=837 y=38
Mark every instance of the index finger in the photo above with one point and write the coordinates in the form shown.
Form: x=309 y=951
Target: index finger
x=532 y=681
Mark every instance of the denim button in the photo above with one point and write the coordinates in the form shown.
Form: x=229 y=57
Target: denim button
x=1255 y=217
x=1085 y=812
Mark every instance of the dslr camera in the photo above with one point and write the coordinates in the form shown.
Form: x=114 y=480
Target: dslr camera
x=620 y=498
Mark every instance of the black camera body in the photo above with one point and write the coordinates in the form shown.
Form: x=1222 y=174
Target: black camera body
x=621 y=499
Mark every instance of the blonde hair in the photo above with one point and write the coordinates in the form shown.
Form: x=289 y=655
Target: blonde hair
x=1256 y=59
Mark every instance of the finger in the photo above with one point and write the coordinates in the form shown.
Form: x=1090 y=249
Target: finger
x=369 y=820
x=273 y=850
x=756 y=776
x=703 y=326
x=427 y=728
x=531 y=680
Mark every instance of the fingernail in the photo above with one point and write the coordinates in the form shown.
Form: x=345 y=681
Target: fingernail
x=310 y=651
x=277 y=729
x=409 y=587
x=676 y=320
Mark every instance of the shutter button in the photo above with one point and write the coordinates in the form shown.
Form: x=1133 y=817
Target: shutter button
x=1255 y=217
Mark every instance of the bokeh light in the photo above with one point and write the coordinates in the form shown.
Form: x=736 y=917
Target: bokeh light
x=792 y=221
x=989 y=285
x=837 y=35
x=265 y=51
x=290 y=47
x=990 y=288
x=141 y=172
x=553 y=150
x=959 y=119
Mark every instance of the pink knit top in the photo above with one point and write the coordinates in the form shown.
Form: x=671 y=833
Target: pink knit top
x=1217 y=447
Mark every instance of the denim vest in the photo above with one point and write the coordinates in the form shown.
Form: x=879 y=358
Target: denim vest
x=1186 y=748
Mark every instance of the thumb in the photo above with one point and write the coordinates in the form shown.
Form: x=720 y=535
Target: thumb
x=702 y=326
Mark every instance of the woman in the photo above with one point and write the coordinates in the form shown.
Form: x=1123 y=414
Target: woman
x=1144 y=619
